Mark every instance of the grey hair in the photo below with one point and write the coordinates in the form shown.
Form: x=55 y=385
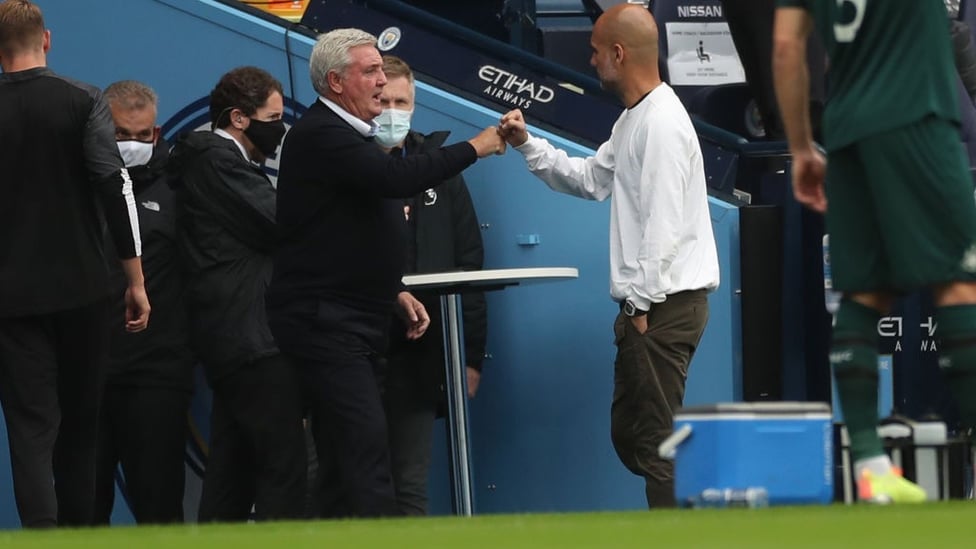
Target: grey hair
x=331 y=53
x=131 y=95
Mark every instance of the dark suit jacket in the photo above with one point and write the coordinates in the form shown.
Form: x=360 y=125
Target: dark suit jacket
x=340 y=256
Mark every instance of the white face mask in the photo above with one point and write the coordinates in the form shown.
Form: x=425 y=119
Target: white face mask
x=393 y=127
x=135 y=153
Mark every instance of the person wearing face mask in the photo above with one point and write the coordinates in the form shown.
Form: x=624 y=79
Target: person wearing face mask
x=227 y=230
x=443 y=235
x=142 y=424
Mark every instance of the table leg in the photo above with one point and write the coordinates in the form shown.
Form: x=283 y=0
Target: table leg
x=457 y=404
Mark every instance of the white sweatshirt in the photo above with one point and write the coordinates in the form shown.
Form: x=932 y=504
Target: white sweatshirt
x=661 y=240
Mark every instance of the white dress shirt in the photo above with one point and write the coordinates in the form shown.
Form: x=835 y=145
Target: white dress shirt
x=367 y=129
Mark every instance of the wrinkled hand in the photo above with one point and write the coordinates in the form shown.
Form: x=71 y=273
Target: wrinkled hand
x=413 y=313
x=488 y=142
x=512 y=128
x=136 y=308
x=809 y=170
x=474 y=379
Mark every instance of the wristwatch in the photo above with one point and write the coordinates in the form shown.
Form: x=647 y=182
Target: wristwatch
x=631 y=310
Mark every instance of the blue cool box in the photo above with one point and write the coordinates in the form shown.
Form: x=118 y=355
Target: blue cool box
x=784 y=447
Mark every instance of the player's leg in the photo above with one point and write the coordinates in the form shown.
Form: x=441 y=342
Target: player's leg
x=858 y=267
x=927 y=219
x=938 y=247
x=861 y=269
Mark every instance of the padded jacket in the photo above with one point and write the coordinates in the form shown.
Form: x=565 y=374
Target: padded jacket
x=227 y=231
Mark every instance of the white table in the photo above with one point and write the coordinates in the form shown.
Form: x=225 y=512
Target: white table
x=450 y=285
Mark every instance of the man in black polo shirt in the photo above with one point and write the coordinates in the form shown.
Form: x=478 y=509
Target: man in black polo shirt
x=58 y=152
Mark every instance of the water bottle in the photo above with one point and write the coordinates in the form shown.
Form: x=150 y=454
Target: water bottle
x=752 y=498
x=831 y=297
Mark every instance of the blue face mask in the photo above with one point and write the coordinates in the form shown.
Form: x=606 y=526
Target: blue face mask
x=393 y=125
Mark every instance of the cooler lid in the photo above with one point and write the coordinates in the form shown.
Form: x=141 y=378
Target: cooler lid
x=757 y=408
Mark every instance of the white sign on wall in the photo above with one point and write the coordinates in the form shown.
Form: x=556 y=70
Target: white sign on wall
x=702 y=54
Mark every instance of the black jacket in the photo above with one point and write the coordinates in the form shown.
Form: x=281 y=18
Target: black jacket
x=446 y=237
x=158 y=356
x=227 y=226
x=340 y=255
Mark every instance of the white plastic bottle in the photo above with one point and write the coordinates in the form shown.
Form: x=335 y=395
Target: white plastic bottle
x=752 y=497
x=831 y=297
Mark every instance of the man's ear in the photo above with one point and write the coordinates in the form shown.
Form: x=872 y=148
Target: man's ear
x=156 y=131
x=334 y=80
x=47 y=41
x=237 y=118
x=618 y=53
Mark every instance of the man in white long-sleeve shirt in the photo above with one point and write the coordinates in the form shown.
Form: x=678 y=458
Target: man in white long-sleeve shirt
x=663 y=260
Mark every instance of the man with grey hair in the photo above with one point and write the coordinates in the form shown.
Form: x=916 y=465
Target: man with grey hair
x=142 y=423
x=341 y=253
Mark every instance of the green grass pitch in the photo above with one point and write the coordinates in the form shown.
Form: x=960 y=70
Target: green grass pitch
x=927 y=526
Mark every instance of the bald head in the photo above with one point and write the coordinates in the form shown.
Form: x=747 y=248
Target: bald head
x=624 y=43
x=633 y=27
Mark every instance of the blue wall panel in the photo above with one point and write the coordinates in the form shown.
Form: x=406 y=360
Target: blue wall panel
x=540 y=423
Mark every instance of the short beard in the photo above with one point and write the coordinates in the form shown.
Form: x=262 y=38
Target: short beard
x=610 y=86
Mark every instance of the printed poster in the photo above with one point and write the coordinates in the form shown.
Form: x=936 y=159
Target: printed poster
x=702 y=54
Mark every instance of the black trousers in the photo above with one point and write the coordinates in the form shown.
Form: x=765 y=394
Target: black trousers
x=349 y=426
x=412 y=398
x=51 y=369
x=144 y=430
x=751 y=24
x=257 y=445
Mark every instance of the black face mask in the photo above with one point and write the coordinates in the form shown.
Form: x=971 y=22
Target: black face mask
x=265 y=135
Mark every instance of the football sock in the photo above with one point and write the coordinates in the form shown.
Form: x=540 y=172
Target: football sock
x=957 y=356
x=878 y=465
x=854 y=361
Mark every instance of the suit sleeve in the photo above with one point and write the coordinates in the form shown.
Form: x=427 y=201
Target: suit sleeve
x=111 y=180
x=378 y=173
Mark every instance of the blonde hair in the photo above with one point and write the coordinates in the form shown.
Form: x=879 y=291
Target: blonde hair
x=394 y=67
x=21 y=27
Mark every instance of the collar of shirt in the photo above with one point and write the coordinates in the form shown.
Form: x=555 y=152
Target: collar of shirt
x=366 y=129
x=25 y=74
x=223 y=133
